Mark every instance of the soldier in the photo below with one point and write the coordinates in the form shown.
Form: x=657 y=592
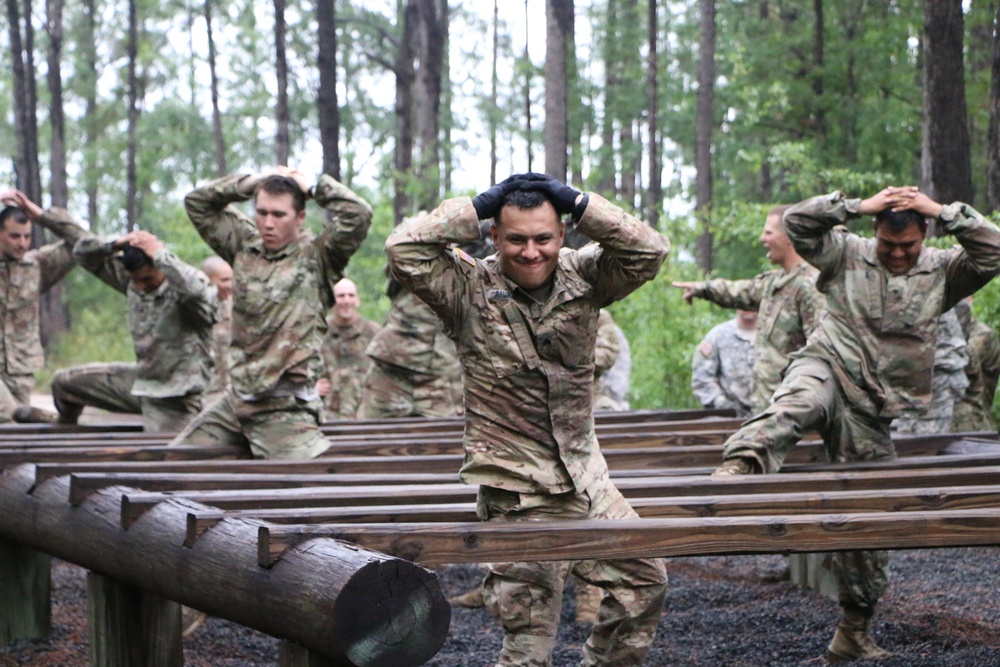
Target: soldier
x=344 y=361
x=24 y=276
x=948 y=382
x=612 y=365
x=723 y=363
x=786 y=300
x=975 y=411
x=283 y=281
x=525 y=322
x=171 y=309
x=221 y=275
x=871 y=354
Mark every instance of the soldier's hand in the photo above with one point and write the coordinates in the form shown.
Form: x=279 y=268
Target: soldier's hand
x=144 y=241
x=919 y=202
x=323 y=386
x=488 y=203
x=297 y=176
x=15 y=197
x=889 y=197
x=563 y=196
x=688 y=290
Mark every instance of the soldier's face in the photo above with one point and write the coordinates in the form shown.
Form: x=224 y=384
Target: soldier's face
x=222 y=278
x=147 y=278
x=346 y=307
x=277 y=220
x=528 y=243
x=15 y=239
x=898 y=251
x=774 y=240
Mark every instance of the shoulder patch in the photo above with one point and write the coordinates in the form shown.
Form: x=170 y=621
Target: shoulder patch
x=464 y=256
x=498 y=294
x=705 y=348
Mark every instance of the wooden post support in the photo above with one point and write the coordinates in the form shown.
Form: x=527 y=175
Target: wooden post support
x=291 y=654
x=129 y=627
x=25 y=592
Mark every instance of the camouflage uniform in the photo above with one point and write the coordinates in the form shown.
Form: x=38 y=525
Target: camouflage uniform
x=346 y=365
x=975 y=411
x=722 y=368
x=222 y=335
x=22 y=282
x=416 y=372
x=540 y=461
x=612 y=364
x=788 y=308
x=857 y=371
x=280 y=302
x=948 y=383
x=171 y=331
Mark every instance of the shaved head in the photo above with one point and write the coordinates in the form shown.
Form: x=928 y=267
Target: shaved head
x=220 y=273
x=345 y=307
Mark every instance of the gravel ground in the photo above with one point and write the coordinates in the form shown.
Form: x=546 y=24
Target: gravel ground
x=939 y=611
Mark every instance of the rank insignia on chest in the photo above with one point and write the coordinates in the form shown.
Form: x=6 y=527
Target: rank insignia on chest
x=498 y=294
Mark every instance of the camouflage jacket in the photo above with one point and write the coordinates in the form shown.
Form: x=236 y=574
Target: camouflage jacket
x=171 y=326
x=722 y=367
x=280 y=298
x=345 y=365
x=23 y=281
x=878 y=330
x=413 y=338
x=983 y=371
x=222 y=334
x=788 y=308
x=529 y=366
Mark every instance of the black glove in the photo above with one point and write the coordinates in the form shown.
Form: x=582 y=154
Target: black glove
x=488 y=203
x=562 y=196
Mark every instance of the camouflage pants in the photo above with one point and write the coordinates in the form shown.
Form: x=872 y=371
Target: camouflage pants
x=15 y=390
x=277 y=427
x=810 y=398
x=947 y=389
x=392 y=392
x=527 y=597
x=970 y=416
x=109 y=387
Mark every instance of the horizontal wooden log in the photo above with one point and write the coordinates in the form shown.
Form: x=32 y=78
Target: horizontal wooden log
x=434 y=544
x=364 y=607
x=15 y=457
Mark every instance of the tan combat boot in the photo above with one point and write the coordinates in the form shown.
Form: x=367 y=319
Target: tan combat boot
x=471 y=599
x=737 y=466
x=852 y=641
x=588 y=600
x=27 y=414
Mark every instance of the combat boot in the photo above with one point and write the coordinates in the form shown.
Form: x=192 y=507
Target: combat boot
x=27 y=414
x=588 y=600
x=852 y=641
x=737 y=466
x=471 y=599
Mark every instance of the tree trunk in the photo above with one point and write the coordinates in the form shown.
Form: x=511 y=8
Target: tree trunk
x=818 y=103
x=558 y=21
x=91 y=176
x=527 y=86
x=25 y=121
x=217 y=135
x=492 y=117
x=54 y=27
x=281 y=141
x=404 y=71
x=704 y=123
x=432 y=31
x=447 y=119
x=653 y=205
x=606 y=169
x=993 y=137
x=946 y=160
x=327 y=103
x=132 y=203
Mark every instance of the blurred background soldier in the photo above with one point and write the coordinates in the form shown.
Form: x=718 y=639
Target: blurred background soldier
x=611 y=381
x=975 y=411
x=221 y=275
x=722 y=366
x=24 y=276
x=345 y=363
x=171 y=309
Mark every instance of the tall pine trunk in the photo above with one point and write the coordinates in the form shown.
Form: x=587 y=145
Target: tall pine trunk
x=218 y=137
x=704 y=122
x=132 y=196
x=654 y=193
x=993 y=137
x=404 y=71
x=327 y=103
x=558 y=22
x=281 y=115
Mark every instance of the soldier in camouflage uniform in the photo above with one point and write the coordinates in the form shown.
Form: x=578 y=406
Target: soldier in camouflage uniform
x=221 y=275
x=416 y=372
x=723 y=363
x=975 y=411
x=612 y=384
x=171 y=309
x=786 y=300
x=948 y=382
x=283 y=280
x=525 y=322
x=871 y=355
x=344 y=361
x=24 y=276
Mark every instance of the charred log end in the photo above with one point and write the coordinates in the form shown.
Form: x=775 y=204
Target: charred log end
x=391 y=612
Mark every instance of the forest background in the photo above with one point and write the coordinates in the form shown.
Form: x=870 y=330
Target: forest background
x=695 y=115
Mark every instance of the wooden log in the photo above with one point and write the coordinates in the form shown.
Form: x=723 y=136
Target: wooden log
x=362 y=606
x=25 y=592
x=291 y=654
x=649 y=538
x=15 y=457
x=129 y=627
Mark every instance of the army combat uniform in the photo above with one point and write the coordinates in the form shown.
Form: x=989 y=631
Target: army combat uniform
x=722 y=368
x=280 y=302
x=171 y=332
x=345 y=366
x=607 y=353
x=416 y=372
x=871 y=354
x=22 y=282
x=529 y=431
x=222 y=335
x=788 y=308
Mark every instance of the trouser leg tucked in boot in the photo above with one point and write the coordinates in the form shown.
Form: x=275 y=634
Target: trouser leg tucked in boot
x=852 y=641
